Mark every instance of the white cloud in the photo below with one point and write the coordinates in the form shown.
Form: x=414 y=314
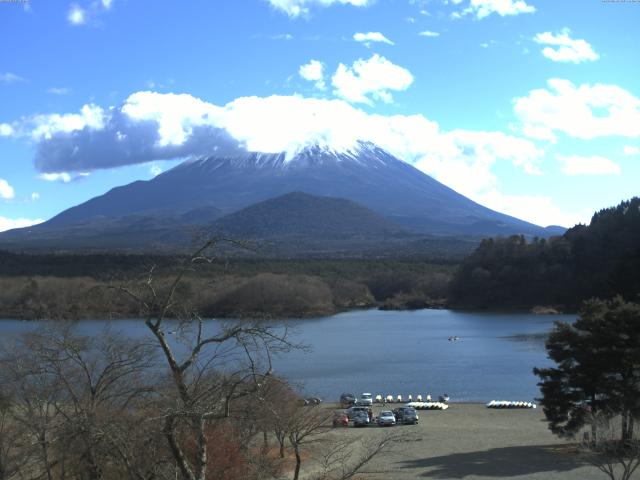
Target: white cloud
x=76 y=15
x=368 y=38
x=155 y=169
x=368 y=80
x=6 y=190
x=563 y=48
x=538 y=209
x=6 y=130
x=56 y=177
x=295 y=8
x=595 y=165
x=9 y=77
x=281 y=36
x=628 y=149
x=58 y=90
x=35 y=196
x=464 y=160
x=484 y=8
x=429 y=33
x=45 y=126
x=175 y=114
x=90 y=116
x=63 y=177
x=10 y=223
x=313 y=72
x=89 y=15
x=586 y=112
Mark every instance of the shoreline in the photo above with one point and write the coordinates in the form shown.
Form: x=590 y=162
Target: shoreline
x=308 y=315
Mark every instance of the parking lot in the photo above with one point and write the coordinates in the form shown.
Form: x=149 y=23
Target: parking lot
x=471 y=441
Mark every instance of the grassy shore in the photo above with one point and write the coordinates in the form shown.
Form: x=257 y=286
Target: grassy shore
x=471 y=441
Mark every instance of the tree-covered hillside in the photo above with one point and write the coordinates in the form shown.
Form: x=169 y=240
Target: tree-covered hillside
x=598 y=260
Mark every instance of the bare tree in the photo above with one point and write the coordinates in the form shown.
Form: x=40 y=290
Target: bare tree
x=344 y=458
x=12 y=440
x=211 y=366
x=306 y=425
x=78 y=399
x=606 y=450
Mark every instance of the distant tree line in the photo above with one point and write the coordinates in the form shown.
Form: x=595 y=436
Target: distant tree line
x=598 y=260
x=234 y=288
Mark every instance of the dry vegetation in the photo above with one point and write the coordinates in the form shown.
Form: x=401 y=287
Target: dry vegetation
x=190 y=400
x=243 y=290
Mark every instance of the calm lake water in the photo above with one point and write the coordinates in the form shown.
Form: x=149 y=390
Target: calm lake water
x=404 y=353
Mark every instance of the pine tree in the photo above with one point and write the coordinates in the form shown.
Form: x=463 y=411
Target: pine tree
x=597 y=368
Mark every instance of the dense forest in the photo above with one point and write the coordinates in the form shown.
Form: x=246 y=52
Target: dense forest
x=598 y=260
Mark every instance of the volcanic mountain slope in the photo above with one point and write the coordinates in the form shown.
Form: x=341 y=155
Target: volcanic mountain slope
x=299 y=214
x=198 y=191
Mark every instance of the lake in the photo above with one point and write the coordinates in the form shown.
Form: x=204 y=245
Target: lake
x=403 y=352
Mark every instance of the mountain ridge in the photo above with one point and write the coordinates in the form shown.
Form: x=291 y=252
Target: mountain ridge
x=366 y=175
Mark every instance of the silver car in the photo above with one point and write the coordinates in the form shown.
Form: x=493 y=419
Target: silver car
x=386 y=418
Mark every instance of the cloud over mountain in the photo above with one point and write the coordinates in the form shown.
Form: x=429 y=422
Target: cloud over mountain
x=152 y=126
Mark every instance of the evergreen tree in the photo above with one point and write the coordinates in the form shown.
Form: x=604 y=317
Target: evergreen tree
x=598 y=368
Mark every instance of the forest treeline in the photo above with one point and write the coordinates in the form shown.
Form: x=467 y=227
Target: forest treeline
x=76 y=286
x=598 y=260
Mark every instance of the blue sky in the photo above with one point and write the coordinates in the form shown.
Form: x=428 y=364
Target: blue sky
x=530 y=107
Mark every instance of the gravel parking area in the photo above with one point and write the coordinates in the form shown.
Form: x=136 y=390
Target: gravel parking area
x=471 y=441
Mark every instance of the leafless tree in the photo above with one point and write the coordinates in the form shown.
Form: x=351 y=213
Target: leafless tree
x=606 y=450
x=212 y=367
x=344 y=458
x=78 y=401
x=12 y=439
x=306 y=425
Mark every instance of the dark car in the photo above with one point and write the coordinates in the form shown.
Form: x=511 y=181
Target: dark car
x=347 y=399
x=355 y=410
x=406 y=415
x=361 y=419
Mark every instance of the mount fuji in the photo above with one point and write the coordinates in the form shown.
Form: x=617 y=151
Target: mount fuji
x=201 y=191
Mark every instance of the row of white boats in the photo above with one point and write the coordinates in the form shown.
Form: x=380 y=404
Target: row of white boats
x=509 y=404
x=418 y=398
x=426 y=403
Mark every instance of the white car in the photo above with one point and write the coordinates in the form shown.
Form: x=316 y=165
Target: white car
x=386 y=418
x=366 y=399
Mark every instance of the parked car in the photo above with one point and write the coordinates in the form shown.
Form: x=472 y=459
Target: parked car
x=340 y=419
x=406 y=415
x=312 y=401
x=356 y=409
x=361 y=419
x=347 y=399
x=386 y=418
x=365 y=399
